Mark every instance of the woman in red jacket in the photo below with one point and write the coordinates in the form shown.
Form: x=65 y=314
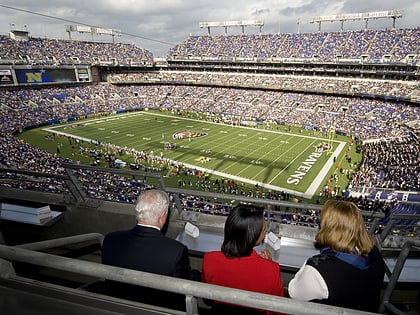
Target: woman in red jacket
x=238 y=265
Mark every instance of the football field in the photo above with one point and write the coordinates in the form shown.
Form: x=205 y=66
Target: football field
x=297 y=164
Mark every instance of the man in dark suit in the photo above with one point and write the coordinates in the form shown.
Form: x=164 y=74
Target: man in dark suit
x=146 y=248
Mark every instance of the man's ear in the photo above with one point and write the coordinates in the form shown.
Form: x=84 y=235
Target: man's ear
x=164 y=222
x=162 y=218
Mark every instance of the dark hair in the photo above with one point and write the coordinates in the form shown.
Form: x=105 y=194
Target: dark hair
x=242 y=230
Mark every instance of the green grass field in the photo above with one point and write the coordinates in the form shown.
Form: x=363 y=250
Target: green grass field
x=273 y=159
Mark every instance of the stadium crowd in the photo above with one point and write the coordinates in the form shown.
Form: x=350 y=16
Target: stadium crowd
x=364 y=119
x=388 y=164
x=373 y=45
x=341 y=86
x=379 y=124
x=46 y=51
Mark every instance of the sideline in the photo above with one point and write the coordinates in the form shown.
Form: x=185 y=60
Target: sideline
x=324 y=171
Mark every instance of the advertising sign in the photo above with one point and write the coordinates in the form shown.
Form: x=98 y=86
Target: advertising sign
x=39 y=76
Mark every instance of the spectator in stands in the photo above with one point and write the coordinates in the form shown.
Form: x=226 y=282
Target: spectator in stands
x=349 y=271
x=145 y=248
x=238 y=265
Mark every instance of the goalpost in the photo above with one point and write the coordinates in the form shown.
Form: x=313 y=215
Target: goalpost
x=331 y=132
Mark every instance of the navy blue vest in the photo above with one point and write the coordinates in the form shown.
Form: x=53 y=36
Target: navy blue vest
x=351 y=283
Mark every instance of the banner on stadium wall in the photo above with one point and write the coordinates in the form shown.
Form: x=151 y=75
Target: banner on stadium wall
x=6 y=77
x=83 y=74
x=39 y=76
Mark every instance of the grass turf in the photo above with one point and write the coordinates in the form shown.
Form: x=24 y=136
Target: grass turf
x=274 y=159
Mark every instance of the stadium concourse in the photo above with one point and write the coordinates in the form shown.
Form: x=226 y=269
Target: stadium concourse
x=362 y=84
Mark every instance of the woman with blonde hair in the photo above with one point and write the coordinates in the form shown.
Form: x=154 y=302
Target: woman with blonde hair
x=349 y=271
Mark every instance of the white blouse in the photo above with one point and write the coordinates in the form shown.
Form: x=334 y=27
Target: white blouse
x=307 y=285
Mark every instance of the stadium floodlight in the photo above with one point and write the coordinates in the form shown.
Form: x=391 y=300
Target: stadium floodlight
x=232 y=23
x=92 y=30
x=394 y=14
x=227 y=24
x=100 y=31
x=116 y=32
x=78 y=28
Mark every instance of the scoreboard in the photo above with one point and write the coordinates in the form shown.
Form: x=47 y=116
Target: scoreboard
x=38 y=75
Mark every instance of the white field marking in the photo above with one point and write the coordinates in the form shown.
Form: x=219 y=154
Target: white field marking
x=307 y=194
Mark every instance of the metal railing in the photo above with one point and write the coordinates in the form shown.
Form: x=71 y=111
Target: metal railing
x=191 y=289
x=53 y=243
x=392 y=223
x=387 y=305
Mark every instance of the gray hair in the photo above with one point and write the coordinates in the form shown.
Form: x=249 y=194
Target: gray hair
x=151 y=204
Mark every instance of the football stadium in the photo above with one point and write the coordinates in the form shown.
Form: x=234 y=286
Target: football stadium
x=285 y=121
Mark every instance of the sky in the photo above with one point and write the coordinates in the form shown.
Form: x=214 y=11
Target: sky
x=158 y=25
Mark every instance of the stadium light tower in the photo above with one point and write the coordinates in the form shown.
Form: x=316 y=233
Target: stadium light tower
x=394 y=14
x=92 y=30
x=22 y=34
x=227 y=24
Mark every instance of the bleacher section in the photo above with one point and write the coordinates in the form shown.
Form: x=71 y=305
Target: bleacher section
x=389 y=130
x=404 y=226
x=42 y=51
x=388 y=89
x=392 y=45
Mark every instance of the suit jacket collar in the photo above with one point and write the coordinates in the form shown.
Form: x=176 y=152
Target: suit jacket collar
x=148 y=225
x=146 y=230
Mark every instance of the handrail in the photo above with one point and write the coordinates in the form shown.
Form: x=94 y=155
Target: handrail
x=395 y=275
x=57 y=242
x=393 y=221
x=212 y=195
x=181 y=286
